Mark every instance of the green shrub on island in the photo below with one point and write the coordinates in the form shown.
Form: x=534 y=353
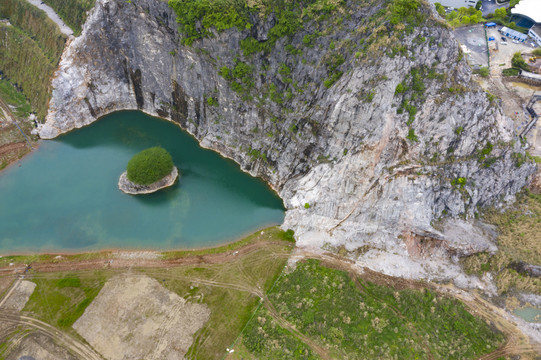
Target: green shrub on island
x=149 y=166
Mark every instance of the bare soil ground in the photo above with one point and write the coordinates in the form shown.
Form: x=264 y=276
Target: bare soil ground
x=38 y=346
x=20 y=295
x=134 y=317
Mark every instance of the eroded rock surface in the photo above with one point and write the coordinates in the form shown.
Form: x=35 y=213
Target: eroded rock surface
x=135 y=189
x=371 y=175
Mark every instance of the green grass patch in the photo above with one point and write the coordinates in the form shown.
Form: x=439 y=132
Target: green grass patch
x=265 y=338
x=510 y=72
x=10 y=95
x=353 y=318
x=269 y=234
x=61 y=298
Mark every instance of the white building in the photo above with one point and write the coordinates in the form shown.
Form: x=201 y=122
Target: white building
x=456 y=3
x=535 y=33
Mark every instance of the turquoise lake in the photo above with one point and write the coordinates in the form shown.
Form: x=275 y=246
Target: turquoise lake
x=65 y=196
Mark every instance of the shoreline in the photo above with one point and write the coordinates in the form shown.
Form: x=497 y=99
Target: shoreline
x=36 y=145
x=104 y=251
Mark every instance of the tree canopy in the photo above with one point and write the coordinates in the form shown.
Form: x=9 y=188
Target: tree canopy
x=149 y=166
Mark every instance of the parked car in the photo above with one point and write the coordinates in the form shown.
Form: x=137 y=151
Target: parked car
x=504 y=39
x=503 y=42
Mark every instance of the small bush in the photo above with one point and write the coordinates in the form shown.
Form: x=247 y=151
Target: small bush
x=149 y=166
x=307 y=206
x=288 y=235
x=483 y=71
x=510 y=72
x=411 y=135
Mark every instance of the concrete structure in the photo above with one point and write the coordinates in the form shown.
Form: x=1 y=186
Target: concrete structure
x=513 y=34
x=530 y=9
x=456 y=3
x=535 y=33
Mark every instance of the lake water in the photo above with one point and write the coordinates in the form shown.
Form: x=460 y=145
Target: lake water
x=65 y=196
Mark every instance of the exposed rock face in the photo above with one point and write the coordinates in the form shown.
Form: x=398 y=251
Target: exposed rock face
x=125 y=185
x=370 y=176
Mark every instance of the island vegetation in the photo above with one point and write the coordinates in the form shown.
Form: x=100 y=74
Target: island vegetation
x=149 y=166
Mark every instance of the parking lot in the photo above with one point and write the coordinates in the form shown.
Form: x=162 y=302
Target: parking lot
x=500 y=55
x=474 y=41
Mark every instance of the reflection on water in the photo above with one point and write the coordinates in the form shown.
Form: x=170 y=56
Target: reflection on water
x=65 y=195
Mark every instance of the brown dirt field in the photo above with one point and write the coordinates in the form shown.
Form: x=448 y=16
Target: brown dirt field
x=11 y=147
x=134 y=317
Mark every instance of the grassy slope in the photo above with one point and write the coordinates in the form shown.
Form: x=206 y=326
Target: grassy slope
x=358 y=319
x=37 y=25
x=31 y=50
x=73 y=12
x=519 y=240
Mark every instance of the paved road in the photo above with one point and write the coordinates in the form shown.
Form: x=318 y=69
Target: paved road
x=52 y=15
x=490 y=5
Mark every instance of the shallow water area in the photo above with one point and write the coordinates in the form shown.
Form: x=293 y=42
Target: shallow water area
x=64 y=196
x=530 y=314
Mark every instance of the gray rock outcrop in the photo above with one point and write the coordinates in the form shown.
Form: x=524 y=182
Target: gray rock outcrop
x=371 y=175
x=129 y=187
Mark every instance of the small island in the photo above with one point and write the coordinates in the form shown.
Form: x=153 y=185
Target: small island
x=148 y=171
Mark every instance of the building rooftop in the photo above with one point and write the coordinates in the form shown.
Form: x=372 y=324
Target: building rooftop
x=528 y=8
x=513 y=33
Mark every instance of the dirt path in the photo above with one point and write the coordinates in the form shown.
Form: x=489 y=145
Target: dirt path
x=78 y=348
x=109 y=261
x=52 y=15
x=13 y=287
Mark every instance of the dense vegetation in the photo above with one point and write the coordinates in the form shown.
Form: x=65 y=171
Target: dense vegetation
x=31 y=50
x=462 y=16
x=353 y=318
x=73 y=12
x=149 y=166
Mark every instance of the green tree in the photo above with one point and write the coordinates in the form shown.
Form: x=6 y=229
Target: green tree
x=440 y=9
x=518 y=62
x=149 y=166
x=500 y=13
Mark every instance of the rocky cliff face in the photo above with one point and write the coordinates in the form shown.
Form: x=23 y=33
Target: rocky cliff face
x=401 y=139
